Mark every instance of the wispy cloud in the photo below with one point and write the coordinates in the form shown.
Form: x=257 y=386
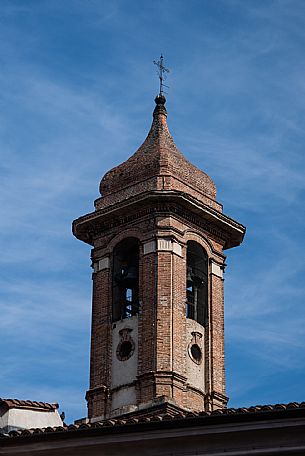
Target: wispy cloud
x=76 y=96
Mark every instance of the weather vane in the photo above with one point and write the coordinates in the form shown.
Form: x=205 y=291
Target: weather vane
x=161 y=73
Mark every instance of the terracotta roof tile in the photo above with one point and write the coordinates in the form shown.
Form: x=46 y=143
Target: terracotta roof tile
x=30 y=405
x=165 y=417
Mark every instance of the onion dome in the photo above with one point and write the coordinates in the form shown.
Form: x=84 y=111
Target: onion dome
x=156 y=165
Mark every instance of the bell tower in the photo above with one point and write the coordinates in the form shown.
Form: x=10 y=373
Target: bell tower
x=157 y=236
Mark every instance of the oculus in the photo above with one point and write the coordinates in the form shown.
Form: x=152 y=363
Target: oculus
x=194 y=349
x=126 y=346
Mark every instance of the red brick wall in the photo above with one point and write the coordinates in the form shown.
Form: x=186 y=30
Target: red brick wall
x=217 y=334
x=162 y=322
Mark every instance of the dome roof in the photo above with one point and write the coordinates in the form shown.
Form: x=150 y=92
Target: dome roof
x=158 y=164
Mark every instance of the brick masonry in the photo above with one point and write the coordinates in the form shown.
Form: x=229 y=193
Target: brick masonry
x=164 y=201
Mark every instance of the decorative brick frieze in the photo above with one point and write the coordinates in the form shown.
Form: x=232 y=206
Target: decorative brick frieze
x=103 y=263
x=149 y=247
x=221 y=227
x=217 y=269
x=162 y=244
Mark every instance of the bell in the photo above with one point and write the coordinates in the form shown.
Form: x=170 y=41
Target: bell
x=130 y=273
x=127 y=275
x=194 y=277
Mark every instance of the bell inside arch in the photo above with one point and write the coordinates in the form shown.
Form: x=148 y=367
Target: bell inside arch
x=129 y=274
x=194 y=277
x=125 y=279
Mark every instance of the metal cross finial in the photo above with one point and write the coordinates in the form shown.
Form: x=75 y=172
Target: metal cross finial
x=161 y=73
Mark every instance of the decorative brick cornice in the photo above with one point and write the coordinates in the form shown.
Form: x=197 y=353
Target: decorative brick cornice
x=180 y=204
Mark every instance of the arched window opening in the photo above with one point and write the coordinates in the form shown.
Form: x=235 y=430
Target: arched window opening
x=125 y=283
x=196 y=283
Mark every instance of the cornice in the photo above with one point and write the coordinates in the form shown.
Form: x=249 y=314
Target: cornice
x=150 y=203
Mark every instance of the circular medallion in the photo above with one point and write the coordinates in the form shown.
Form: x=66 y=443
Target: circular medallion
x=195 y=353
x=125 y=349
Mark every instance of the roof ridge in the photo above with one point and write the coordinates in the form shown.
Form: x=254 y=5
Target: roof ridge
x=22 y=403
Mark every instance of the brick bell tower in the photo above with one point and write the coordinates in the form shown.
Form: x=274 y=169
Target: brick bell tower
x=158 y=236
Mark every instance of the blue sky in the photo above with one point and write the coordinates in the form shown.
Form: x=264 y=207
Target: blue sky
x=77 y=85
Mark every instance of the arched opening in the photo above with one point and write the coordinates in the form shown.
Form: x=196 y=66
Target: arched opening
x=196 y=283
x=125 y=279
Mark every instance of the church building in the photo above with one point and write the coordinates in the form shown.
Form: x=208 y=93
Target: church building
x=157 y=370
